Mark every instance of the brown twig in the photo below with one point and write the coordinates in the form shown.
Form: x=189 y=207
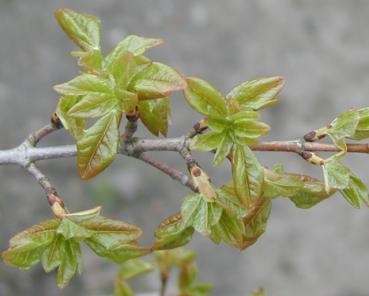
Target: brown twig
x=171 y=172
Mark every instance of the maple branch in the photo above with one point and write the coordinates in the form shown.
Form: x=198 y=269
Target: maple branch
x=26 y=154
x=171 y=172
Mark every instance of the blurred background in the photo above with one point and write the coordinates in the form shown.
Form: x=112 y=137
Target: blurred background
x=321 y=47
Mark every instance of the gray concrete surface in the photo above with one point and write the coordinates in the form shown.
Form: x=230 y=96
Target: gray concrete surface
x=321 y=47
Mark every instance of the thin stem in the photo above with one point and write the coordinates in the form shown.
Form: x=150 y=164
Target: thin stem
x=131 y=126
x=36 y=136
x=55 y=202
x=171 y=172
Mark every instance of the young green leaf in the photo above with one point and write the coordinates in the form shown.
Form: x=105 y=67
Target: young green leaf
x=256 y=222
x=73 y=125
x=230 y=229
x=69 y=230
x=248 y=175
x=123 y=70
x=86 y=84
x=52 y=256
x=108 y=233
x=170 y=233
x=257 y=94
x=204 y=98
x=356 y=192
x=207 y=142
x=26 y=248
x=90 y=60
x=94 y=106
x=134 y=44
x=336 y=175
x=223 y=150
x=156 y=81
x=281 y=184
x=98 y=146
x=229 y=201
x=134 y=268
x=82 y=28
x=70 y=262
x=199 y=213
x=344 y=126
x=83 y=215
x=362 y=129
x=154 y=114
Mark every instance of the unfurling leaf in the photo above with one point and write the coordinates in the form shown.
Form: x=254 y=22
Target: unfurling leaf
x=204 y=98
x=154 y=114
x=362 y=129
x=156 y=81
x=248 y=175
x=256 y=221
x=344 y=126
x=336 y=175
x=82 y=28
x=222 y=151
x=134 y=44
x=75 y=126
x=56 y=243
x=257 y=94
x=98 y=146
x=229 y=229
x=356 y=192
x=83 y=215
x=171 y=234
x=26 y=248
x=339 y=177
x=200 y=214
x=115 y=240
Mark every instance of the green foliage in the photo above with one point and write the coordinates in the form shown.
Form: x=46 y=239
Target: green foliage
x=231 y=123
x=56 y=243
x=125 y=83
x=109 y=87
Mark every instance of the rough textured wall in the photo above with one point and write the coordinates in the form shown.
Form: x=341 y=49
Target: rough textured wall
x=321 y=47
